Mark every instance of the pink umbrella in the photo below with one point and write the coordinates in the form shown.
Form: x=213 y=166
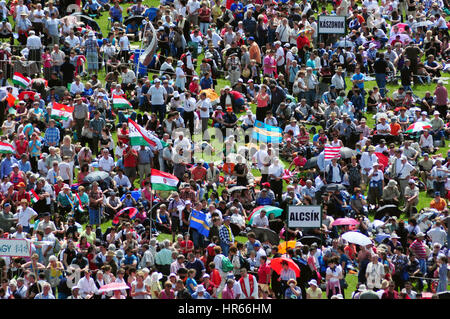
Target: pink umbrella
x=345 y=221
x=404 y=38
x=113 y=286
x=398 y=28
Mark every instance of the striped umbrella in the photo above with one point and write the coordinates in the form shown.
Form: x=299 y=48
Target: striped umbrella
x=418 y=127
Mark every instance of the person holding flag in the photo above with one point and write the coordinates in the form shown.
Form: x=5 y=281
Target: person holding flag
x=65 y=201
x=199 y=225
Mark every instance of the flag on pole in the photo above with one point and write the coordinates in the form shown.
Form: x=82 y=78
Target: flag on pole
x=198 y=222
x=332 y=152
x=139 y=135
x=6 y=148
x=21 y=80
x=61 y=111
x=266 y=133
x=163 y=181
x=119 y=102
x=34 y=197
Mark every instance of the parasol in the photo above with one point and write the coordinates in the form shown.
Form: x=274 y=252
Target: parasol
x=282 y=247
x=345 y=222
x=357 y=238
x=113 y=286
x=418 y=127
x=210 y=94
x=275 y=264
x=131 y=212
x=266 y=234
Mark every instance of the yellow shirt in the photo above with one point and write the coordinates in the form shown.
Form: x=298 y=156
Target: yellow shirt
x=314 y=294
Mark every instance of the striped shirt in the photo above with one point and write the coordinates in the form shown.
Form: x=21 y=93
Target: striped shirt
x=225 y=235
x=418 y=247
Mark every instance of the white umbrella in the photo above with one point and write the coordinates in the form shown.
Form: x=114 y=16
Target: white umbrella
x=422 y=24
x=357 y=238
x=377 y=223
x=345 y=44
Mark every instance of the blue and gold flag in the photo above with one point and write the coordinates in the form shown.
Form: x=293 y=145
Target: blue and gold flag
x=267 y=133
x=198 y=222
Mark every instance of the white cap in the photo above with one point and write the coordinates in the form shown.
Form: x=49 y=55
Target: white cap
x=176 y=94
x=157 y=80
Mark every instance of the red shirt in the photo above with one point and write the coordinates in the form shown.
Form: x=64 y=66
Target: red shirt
x=215 y=277
x=18 y=197
x=130 y=160
x=21 y=148
x=124 y=132
x=302 y=41
x=264 y=274
x=194 y=87
x=185 y=248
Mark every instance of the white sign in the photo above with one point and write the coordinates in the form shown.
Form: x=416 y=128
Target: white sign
x=305 y=217
x=332 y=24
x=15 y=248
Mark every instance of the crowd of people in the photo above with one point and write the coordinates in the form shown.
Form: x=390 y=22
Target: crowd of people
x=64 y=173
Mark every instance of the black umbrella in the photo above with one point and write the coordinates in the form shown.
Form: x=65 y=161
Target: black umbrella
x=391 y=210
x=311 y=163
x=347 y=152
x=276 y=225
x=266 y=234
x=334 y=187
x=138 y=20
x=88 y=21
x=96 y=176
x=309 y=240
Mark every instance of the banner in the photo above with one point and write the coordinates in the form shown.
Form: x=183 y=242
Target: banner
x=332 y=24
x=305 y=217
x=15 y=248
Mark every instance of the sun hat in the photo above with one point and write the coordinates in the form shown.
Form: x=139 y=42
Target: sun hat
x=411 y=181
x=313 y=282
x=394 y=236
x=362 y=288
x=384 y=284
x=420 y=234
x=200 y=288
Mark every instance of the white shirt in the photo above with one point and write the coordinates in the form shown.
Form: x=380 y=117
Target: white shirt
x=295 y=129
x=367 y=161
x=380 y=127
x=193 y=6
x=280 y=53
x=77 y=88
x=65 y=171
x=336 y=178
x=24 y=216
x=189 y=105
x=283 y=32
x=124 y=43
x=204 y=104
x=157 y=94
x=73 y=41
x=405 y=170
x=437 y=235
x=128 y=77
x=260 y=222
x=426 y=141
x=184 y=143
x=249 y=121
x=34 y=42
x=106 y=163
x=260 y=156
x=336 y=272
x=87 y=286
x=124 y=181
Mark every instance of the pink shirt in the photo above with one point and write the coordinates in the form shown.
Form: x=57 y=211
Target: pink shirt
x=269 y=64
x=441 y=95
x=227 y=293
x=47 y=60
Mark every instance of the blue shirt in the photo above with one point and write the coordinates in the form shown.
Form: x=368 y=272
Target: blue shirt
x=52 y=135
x=129 y=260
x=24 y=167
x=206 y=83
x=359 y=76
x=5 y=166
x=34 y=151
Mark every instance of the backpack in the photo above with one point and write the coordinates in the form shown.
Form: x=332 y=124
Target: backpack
x=244 y=263
x=226 y=264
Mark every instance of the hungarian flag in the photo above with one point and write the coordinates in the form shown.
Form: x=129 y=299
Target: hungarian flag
x=61 y=111
x=27 y=95
x=332 y=152
x=139 y=135
x=6 y=148
x=119 y=102
x=34 y=197
x=21 y=80
x=163 y=181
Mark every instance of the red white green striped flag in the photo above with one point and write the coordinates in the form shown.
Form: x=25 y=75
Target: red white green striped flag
x=119 y=102
x=61 y=111
x=6 y=148
x=34 y=197
x=163 y=181
x=21 y=80
x=139 y=135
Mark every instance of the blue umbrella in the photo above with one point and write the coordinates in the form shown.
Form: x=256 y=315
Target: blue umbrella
x=135 y=194
x=380 y=237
